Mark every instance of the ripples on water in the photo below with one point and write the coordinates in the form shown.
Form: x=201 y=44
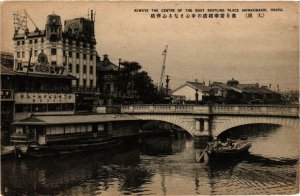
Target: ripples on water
x=161 y=166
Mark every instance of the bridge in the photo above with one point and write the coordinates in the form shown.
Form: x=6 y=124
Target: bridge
x=211 y=121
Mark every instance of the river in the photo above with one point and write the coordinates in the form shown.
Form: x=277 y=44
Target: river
x=162 y=166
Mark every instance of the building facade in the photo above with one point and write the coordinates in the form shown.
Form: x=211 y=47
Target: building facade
x=61 y=51
x=108 y=78
x=42 y=83
x=7 y=102
x=233 y=92
x=191 y=92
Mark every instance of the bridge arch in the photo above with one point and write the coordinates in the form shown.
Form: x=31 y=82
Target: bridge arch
x=221 y=124
x=187 y=122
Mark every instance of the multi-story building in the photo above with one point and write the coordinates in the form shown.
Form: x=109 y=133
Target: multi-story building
x=80 y=54
x=59 y=52
x=108 y=78
x=42 y=83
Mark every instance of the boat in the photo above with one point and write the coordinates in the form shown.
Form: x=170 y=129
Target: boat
x=225 y=150
x=51 y=135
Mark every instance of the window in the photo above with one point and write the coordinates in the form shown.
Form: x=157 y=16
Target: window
x=91 y=84
x=77 y=55
x=91 y=57
x=84 y=83
x=53 y=51
x=70 y=54
x=35 y=52
x=35 y=41
x=77 y=68
x=84 y=56
x=18 y=54
x=54 y=107
x=84 y=45
x=39 y=108
x=91 y=46
x=23 y=42
x=18 y=43
x=77 y=83
x=30 y=41
x=53 y=63
x=23 y=54
x=91 y=70
x=77 y=44
x=67 y=106
x=42 y=40
x=70 y=67
x=84 y=69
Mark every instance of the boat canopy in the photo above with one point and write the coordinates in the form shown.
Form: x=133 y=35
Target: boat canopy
x=73 y=119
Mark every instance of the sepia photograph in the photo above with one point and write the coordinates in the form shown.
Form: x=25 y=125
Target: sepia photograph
x=149 y=98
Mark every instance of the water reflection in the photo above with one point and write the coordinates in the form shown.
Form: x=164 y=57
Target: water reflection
x=160 y=166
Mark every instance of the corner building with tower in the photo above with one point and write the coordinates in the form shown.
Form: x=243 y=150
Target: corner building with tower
x=61 y=51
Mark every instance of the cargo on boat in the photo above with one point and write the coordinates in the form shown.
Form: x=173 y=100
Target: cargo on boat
x=46 y=135
x=230 y=149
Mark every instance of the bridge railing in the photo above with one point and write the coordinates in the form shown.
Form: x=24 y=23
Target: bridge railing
x=190 y=109
x=272 y=110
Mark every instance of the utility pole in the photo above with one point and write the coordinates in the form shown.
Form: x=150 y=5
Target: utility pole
x=167 y=84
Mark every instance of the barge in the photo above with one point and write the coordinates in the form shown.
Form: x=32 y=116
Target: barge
x=49 y=135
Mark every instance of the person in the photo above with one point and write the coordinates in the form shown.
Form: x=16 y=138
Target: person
x=229 y=142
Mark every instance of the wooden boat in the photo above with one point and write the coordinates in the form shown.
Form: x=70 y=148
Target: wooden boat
x=234 y=150
x=35 y=150
x=49 y=135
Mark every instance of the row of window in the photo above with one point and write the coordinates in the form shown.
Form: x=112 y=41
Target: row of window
x=53 y=52
x=84 y=83
x=44 y=107
x=81 y=128
x=35 y=53
x=77 y=55
x=84 y=68
x=35 y=41
x=84 y=45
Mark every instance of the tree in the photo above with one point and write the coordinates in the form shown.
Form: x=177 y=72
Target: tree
x=132 y=79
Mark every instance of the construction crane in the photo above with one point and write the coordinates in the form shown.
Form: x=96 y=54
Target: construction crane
x=163 y=68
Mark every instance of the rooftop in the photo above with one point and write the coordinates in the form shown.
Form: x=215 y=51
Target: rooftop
x=73 y=119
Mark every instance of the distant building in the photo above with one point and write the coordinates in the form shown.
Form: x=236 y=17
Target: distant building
x=191 y=92
x=233 y=92
x=108 y=75
x=7 y=101
x=7 y=59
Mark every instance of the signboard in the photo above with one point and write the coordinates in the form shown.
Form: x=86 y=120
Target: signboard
x=40 y=98
x=40 y=68
x=6 y=95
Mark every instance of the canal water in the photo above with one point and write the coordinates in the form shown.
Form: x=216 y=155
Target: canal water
x=162 y=166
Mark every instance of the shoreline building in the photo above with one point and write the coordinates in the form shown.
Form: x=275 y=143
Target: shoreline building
x=58 y=51
x=108 y=78
x=80 y=57
x=233 y=92
x=190 y=92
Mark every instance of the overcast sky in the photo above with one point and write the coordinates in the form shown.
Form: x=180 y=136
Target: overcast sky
x=263 y=50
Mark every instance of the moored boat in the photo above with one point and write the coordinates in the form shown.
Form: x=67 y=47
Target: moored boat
x=39 y=136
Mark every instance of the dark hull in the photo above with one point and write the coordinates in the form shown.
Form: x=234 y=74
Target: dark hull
x=229 y=153
x=68 y=148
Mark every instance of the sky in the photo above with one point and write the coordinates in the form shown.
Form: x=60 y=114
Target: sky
x=251 y=50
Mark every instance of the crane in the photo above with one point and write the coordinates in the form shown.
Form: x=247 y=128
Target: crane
x=163 y=68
